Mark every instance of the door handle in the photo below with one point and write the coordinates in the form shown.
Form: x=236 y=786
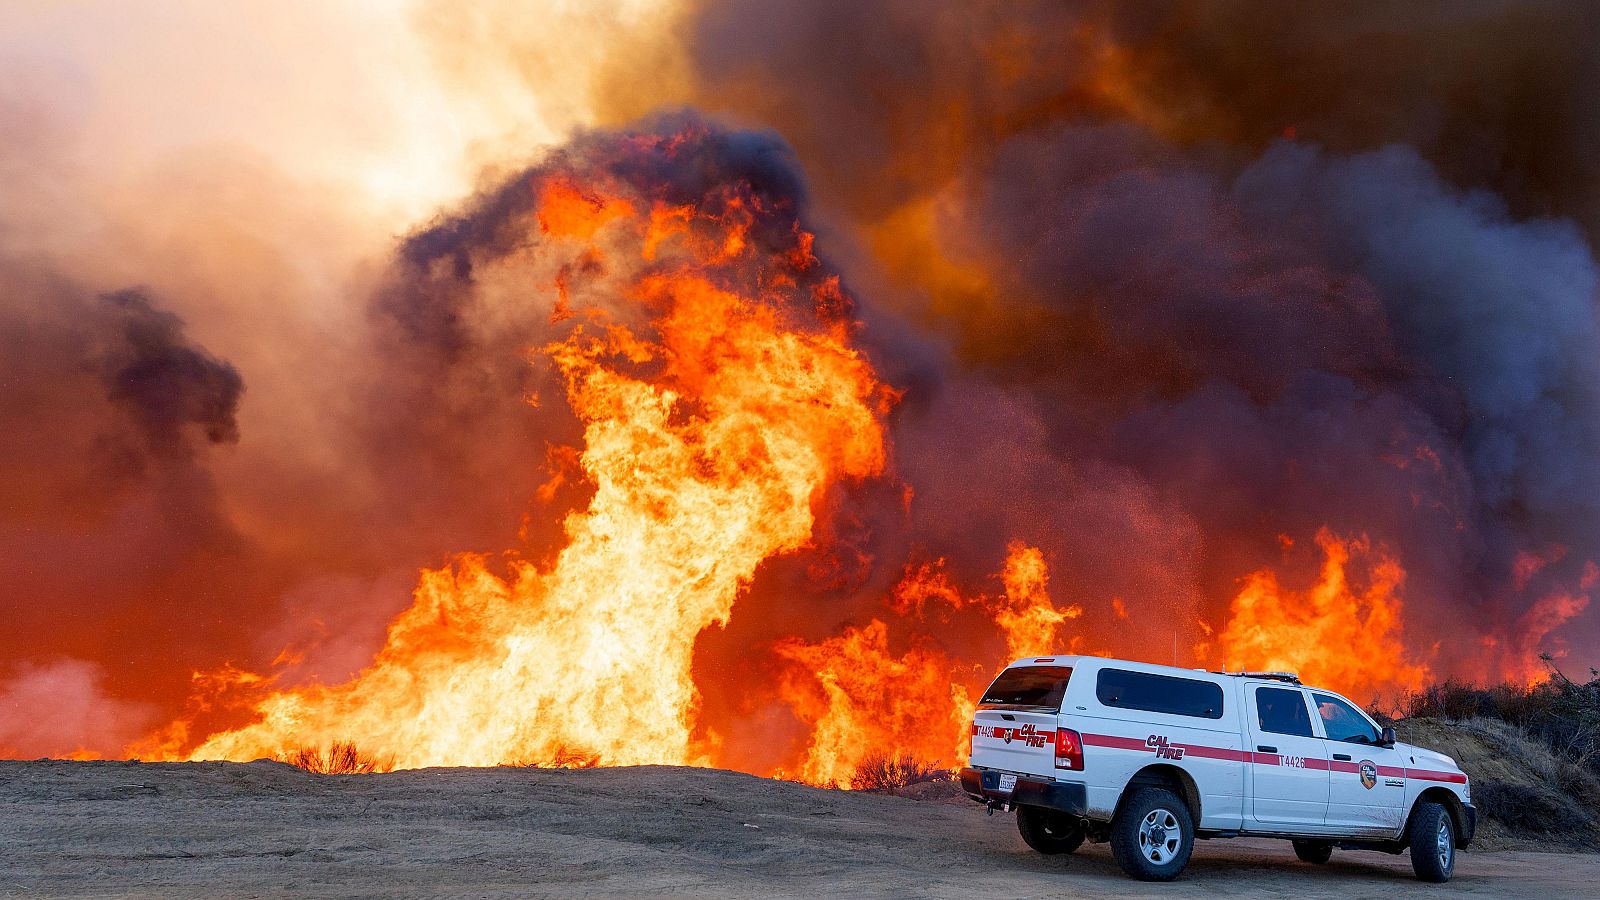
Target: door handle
x=1263 y=748
x=1342 y=757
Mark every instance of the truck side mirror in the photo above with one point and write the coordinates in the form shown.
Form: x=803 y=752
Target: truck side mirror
x=1387 y=739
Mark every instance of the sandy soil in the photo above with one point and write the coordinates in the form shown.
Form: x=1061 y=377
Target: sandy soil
x=264 y=829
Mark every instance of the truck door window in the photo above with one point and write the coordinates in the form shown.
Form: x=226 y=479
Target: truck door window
x=1282 y=711
x=1341 y=722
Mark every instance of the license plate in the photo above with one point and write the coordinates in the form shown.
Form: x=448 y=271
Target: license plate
x=1008 y=783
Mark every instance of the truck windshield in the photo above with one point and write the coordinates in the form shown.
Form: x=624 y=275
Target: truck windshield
x=1038 y=687
x=1340 y=721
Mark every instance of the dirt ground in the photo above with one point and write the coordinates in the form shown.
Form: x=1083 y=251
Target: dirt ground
x=265 y=829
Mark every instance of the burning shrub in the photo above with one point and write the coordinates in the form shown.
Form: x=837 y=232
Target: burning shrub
x=341 y=758
x=885 y=773
x=564 y=758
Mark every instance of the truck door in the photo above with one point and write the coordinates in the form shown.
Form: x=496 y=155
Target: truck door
x=1366 y=782
x=1289 y=771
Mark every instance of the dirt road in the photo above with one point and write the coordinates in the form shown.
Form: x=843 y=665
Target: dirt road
x=264 y=829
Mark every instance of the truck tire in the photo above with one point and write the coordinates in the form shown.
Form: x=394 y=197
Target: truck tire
x=1432 y=836
x=1048 y=831
x=1152 y=835
x=1315 y=852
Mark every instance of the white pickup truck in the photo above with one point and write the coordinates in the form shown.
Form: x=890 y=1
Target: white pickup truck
x=1150 y=758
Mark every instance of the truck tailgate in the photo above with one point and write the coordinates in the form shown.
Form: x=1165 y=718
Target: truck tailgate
x=1014 y=741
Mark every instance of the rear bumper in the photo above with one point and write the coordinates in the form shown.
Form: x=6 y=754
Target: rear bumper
x=1069 y=797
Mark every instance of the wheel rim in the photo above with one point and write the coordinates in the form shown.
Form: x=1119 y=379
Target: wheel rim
x=1159 y=836
x=1444 y=847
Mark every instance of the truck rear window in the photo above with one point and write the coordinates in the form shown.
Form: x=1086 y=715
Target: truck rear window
x=1030 y=686
x=1159 y=693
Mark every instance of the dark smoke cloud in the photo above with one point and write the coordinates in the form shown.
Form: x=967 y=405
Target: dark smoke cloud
x=164 y=383
x=103 y=388
x=1501 y=312
x=1329 y=340
x=883 y=99
x=115 y=538
x=1496 y=93
x=1383 y=324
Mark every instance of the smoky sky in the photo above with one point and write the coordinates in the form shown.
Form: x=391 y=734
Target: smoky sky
x=1266 y=268
x=1496 y=93
x=1167 y=287
x=116 y=542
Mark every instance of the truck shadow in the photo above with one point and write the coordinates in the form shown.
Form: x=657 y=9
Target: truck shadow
x=1233 y=861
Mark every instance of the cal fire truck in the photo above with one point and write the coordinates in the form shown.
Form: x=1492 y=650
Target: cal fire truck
x=1150 y=758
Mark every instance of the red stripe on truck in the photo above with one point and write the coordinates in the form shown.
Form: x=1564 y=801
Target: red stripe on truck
x=1111 y=740
x=1196 y=750
x=1030 y=735
x=1428 y=775
x=1202 y=751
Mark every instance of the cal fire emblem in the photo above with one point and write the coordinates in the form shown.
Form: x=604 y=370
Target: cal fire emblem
x=1369 y=774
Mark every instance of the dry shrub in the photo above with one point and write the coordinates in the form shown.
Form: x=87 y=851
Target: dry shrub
x=1530 y=808
x=1550 y=730
x=341 y=758
x=1452 y=700
x=887 y=773
x=1560 y=713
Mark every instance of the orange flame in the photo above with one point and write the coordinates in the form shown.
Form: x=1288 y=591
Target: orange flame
x=702 y=468
x=1027 y=617
x=568 y=211
x=858 y=698
x=1331 y=635
x=1519 y=653
x=720 y=398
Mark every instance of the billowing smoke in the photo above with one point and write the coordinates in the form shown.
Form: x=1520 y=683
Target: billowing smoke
x=112 y=516
x=1168 y=289
x=1264 y=271
x=201 y=201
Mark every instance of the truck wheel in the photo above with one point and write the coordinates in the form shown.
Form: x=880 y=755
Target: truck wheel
x=1153 y=835
x=1432 y=837
x=1316 y=852
x=1048 y=831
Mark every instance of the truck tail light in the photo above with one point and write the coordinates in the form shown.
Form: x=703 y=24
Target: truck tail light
x=1069 y=749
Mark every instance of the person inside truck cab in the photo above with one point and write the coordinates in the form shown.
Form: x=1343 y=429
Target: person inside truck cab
x=1341 y=723
x=1282 y=712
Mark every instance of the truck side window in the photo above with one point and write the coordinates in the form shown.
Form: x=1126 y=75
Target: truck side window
x=1123 y=689
x=1342 y=723
x=1282 y=711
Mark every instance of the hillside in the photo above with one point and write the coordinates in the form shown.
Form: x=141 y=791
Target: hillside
x=1527 y=797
